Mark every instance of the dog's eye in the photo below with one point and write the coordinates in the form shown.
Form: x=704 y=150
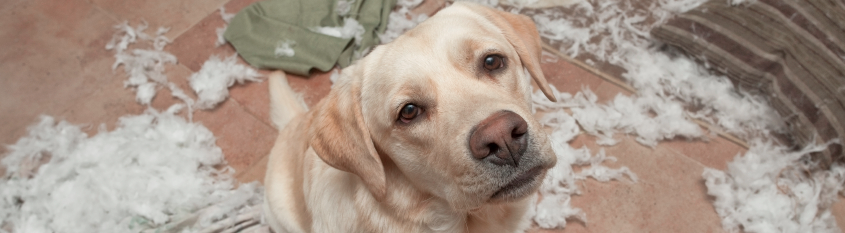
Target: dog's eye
x=409 y=112
x=493 y=62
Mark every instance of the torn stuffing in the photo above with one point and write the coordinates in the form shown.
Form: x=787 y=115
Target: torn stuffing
x=553 y=210
x=350 y=29
x=615 y=33
x=145 y=67
x=211 y=83
x=769 y=189
x=401 y=20
x=650 y=118
x=343 y=7
x=335 y=75
x=534 y=4
x=285 y=48
x=740 y=2
x=153 y=169
x=227 y=17
x=762 y=191
x=489 y=3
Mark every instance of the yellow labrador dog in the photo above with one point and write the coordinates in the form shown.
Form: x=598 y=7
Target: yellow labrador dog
x=430 y=133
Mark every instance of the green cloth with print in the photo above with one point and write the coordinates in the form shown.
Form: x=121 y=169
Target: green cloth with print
x=257 y=30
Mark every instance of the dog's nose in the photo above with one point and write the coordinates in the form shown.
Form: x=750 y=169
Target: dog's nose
x=500 y=139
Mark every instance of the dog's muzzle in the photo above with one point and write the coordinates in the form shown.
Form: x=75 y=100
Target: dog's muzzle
x=500 y=139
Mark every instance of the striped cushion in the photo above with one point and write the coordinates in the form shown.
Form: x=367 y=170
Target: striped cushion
x=790 y=50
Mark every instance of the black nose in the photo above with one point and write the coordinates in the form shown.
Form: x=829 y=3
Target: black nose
x=500 y=139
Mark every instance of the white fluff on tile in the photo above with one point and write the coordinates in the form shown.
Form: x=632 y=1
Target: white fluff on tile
x=613 y=32
x=553 y=209
x=227 y=17
x=151 y=170
x=144 y=67
x=650 y=118
x=768 y=189
x=753 y=194
x=211 y=83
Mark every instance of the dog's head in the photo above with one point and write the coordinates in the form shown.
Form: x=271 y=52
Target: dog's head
x=448 y=105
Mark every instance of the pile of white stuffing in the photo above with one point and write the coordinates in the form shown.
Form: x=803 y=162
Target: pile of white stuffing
x=769 y=189
x=145 y=68
x=156 y=172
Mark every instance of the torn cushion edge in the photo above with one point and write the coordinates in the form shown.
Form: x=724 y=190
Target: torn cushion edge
x=792 y=52
x=258 y=29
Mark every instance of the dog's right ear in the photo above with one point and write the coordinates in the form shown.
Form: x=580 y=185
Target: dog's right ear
x=341 y=138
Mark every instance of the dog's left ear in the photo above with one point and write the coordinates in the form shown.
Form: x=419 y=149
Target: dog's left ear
x=521 y=32
x=340 y=137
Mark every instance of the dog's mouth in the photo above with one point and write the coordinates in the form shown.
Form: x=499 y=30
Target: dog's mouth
x=520 y=186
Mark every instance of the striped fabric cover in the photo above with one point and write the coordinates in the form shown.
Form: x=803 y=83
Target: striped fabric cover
x=790 y=50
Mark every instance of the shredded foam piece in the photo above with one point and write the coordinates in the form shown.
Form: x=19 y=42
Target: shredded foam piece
x=212 y=81
x=285 y=48
x=769 y=190
x=350 y=29
x=152 y=170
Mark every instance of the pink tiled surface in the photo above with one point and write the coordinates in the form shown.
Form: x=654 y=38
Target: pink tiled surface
x=53 y=62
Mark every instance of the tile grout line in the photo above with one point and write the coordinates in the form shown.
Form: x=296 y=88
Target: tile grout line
x=252 y=114
x=223 y=4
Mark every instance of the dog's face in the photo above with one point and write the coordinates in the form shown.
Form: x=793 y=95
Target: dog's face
x=449 y=104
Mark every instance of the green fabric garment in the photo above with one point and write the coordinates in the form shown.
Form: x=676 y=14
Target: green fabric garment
x=258 y=29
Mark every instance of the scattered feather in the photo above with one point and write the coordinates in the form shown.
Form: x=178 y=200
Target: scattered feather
x=350 y=29
x=335 y=75
x=285 y=48
x=761 y=191
x=145 y=67
x=227 y=17
x=400 y=20
x=559 y=185
x=212 y=81
x=769 y=190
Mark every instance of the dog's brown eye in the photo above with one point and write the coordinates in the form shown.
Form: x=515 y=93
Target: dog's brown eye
x=493 y=62
x=409 y=112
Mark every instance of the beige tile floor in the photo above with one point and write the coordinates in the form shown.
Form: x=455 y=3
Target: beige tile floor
x=53 y=62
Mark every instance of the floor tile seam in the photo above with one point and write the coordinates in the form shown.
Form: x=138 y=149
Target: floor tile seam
x=118 y=19
x=109 y=14
x=194 y=24
x=252 y=114
x=686 y=157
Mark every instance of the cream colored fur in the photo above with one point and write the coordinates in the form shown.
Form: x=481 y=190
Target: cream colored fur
x=348 y=164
